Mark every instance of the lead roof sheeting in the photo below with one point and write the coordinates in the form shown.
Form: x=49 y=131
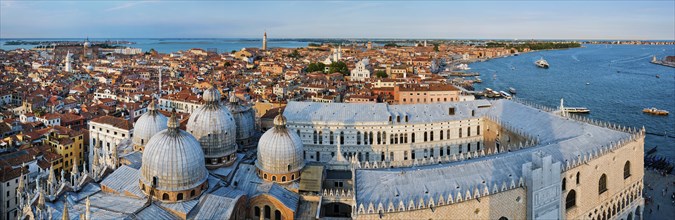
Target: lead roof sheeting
x=378 y=113
x=155 y=212
x=288 y=198
x=223 y=171
x=181 y=207
x=74 y=211
x=88 y=190
x=135 y=158
x=122 y=178
x=246 y=179
x=135 y=190
x=562 y=138
x=219 y=204
x=115 y=203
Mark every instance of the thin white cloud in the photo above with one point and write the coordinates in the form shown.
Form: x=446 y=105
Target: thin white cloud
x=127 y=5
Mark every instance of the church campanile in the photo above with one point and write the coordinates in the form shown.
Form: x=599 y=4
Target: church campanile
x=264 y=43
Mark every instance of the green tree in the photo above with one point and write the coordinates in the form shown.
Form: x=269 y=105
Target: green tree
x=233 y=51
x=312 y=67
x=436 y=47
x=391 y=45
x=151 y=51
x=381 y=74
x=338 y=67
x=295 y=54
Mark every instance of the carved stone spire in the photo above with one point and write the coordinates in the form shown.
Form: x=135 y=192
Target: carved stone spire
x=65 y=215
x=173 y=123
x=87 y=212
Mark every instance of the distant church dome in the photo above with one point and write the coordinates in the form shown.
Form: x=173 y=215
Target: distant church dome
x=87 y=44
x=244 y=118
x=90 y=68
x=149 y=124
x=214 y=127
x=173 y=165
x=280 y=153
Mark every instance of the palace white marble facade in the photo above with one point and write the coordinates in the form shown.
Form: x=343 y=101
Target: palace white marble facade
x=380 y=132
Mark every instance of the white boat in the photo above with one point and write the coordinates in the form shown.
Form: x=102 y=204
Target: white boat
x=577 y=110
x=462 y=66
x=505 y=94
x=512 y=90
x=541 y=63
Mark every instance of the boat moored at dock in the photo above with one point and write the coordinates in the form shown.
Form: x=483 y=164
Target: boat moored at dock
x=577 y=110
x=506 y=95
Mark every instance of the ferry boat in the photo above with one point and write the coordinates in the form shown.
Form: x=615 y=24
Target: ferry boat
x=541 y=63
x=506 y=95
x=655 y=111
x=512 y=90
x=577 y=110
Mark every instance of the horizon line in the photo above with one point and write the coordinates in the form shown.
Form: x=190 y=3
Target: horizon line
x=342 y=38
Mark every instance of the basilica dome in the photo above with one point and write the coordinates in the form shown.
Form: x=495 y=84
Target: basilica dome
x=280 y=153
x=215 y=128
x=149 y=124
x=173 y=164
x=244 y=118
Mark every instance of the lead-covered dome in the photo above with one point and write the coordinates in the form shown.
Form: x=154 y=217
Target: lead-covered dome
x=149 y=124
x=244 y=118
x=280 y=153
x=173 y=164
x=214 y=127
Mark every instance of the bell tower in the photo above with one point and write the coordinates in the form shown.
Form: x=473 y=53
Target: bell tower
x=264 y=41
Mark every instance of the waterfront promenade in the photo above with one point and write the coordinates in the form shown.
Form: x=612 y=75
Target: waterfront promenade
x=659 y=189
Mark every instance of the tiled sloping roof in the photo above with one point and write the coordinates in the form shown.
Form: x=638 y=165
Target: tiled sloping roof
x=114 y=121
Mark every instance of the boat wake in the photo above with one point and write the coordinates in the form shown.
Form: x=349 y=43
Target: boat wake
x=631 y=59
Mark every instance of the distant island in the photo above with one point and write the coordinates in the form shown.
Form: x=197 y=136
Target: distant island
x=534 y=45
x=62 y=42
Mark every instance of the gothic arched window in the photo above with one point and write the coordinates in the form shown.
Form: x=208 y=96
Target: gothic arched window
x=602 y=184
x=626 y=170
x=571 y=199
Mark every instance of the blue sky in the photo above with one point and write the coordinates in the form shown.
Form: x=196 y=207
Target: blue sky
x=340 y=19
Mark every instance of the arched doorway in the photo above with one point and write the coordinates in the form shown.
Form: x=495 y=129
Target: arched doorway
x=336 y=209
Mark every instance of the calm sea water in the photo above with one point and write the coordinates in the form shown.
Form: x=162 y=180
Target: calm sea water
x=621 y=82
x=167 y=45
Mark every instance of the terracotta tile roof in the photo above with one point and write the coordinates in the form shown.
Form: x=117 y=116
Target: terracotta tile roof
x=114 y=121
x=9 y=173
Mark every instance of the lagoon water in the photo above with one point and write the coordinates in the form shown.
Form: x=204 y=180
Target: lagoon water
x=621 y=82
